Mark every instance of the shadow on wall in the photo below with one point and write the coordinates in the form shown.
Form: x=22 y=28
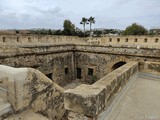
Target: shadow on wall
x=117 y=65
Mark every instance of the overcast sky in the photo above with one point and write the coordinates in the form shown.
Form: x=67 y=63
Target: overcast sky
x=24 y=14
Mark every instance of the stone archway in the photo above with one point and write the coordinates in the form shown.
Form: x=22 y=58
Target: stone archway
x=117 y=65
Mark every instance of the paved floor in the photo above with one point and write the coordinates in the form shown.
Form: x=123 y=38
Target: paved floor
x=141 y=101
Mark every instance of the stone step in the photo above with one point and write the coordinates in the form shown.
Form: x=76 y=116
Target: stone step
x=3 y=93
x=5 y=107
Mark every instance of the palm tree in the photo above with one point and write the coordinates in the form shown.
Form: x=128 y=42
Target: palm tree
x=84 y=21
x=91 y=21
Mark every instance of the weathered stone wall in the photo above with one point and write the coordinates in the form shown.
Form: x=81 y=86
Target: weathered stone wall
x=39 y=39
x=147 y=41
x=152 y=68
x=48 y=59
x=87 y=101
x=101 y=59
x=29 y=89
x=53 y=59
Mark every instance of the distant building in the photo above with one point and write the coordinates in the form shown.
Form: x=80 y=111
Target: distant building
x=106 y=32
x=24 y=32
x=155 y=31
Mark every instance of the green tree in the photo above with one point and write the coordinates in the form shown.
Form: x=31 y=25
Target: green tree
x=84 y=21
x=58 y=32
x=69 y=28
x=91 y=21
x=135 y=29
x=49 y=32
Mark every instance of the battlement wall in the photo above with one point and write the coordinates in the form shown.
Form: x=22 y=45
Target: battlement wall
x=147 y=41
x=39 y=39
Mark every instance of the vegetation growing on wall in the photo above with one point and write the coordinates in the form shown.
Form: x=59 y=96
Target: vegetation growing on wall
x=94 y=79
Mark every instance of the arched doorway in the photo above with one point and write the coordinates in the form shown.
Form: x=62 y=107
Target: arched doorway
x=117 y=65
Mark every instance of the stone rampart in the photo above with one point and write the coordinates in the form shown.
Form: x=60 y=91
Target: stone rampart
x=121 y=50
x=39 y=39
x=53 y=60
x=145 y=41
x=101 y=59
x=87 y=101
x=29 y=89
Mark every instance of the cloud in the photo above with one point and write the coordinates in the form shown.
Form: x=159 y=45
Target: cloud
x=30 y=16
x=121 y=2
x=52 y=13
x=48 y=11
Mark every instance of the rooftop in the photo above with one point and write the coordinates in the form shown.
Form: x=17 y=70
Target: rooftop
x=138 y=101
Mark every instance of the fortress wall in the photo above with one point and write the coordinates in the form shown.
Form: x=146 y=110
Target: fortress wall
x=120 y=50
x=50 y=60
x=55 y=60
x=102 y=59
x=148 y=41
x=38 y=39
x=87 y=101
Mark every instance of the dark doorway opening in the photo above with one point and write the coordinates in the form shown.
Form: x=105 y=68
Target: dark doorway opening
x=66 y=71
x=117 y=65
x=79 y=73
x=49 y=75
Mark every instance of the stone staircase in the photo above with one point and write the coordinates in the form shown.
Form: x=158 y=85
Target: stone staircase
x=5 y=106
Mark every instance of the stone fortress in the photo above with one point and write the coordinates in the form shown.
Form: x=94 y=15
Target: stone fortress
x=36 y=69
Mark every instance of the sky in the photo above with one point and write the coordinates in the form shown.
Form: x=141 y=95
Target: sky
x=50 y=14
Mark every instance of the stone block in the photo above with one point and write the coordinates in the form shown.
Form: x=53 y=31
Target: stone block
x=85 y=99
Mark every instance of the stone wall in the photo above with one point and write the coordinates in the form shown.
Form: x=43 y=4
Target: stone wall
x=29 y=89
x=39 y=39
x=152 y=68
x=87 y=101
x=101 y=59
x=48 y=59
x=53 y=60
x=146 y=41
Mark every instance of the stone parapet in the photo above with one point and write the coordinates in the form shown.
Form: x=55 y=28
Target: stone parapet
x=40 y=39
x=90 y=100
x=30 y=89
x=152 y=68
x=127 y=51
x=139 y=41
